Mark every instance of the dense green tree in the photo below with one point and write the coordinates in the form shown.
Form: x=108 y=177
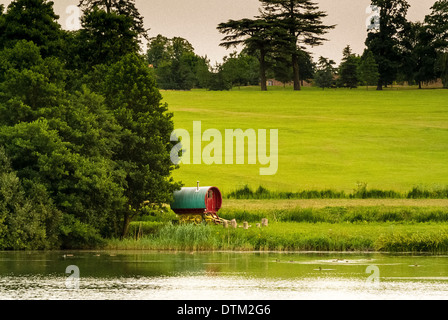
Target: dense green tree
x=368 y=69
x=219 y=80
x=32 y=20
x=30 y=86
x=83 y=148
x=419 y=54
x=105 y=37
x=240 y=69
x=175 y=75
x=385 y=42
x=120 y=7
x=85 y=188
x=89 y=188
x=325 y=73
x=302 y=22
x=437 y=26
x=437 y=22
x=159 y=50
x=306 y=66
x=442 y=68
x=144 y=150
x=66 y=140
x=282 y=67
x=28 y=219
x=348 y=69
x=258 y=36
x=203 y=72
x=176 y=65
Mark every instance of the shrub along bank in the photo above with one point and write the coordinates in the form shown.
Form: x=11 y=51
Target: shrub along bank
x=390 y=229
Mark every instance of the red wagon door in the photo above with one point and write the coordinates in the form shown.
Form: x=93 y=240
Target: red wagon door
x=211 y=204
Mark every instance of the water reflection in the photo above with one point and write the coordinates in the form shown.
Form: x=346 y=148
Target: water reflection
x=223 y=275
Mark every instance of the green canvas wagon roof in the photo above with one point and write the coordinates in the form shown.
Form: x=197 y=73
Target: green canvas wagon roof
x=190 y=198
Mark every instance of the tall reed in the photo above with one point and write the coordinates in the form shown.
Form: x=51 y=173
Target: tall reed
x=360 y=192
x=289 y=236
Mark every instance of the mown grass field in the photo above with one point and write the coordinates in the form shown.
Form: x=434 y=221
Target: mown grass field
x=332 y=139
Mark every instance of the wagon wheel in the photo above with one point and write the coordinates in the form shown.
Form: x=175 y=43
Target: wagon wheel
x=183 y=218
x=208 y=219
x=215 y=218
x=197 y=219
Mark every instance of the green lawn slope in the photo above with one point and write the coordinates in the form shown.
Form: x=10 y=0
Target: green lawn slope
x=392 y=140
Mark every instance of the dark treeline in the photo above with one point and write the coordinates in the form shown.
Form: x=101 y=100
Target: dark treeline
x=84 y=138
x=397 y=50
x=276 y=45
x=273 y=47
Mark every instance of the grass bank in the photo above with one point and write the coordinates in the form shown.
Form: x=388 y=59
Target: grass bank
x=290 y=236
x=368 y=227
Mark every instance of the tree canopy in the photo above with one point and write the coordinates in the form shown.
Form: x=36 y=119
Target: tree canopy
x=84 y=144
x=368 y=69
x=176 y=65
x=256 y=35
x=385 y=43
x=31 y=20
x=125 y=8
x=302 y=22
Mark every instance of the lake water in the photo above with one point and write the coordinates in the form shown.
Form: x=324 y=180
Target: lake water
x=221 y=276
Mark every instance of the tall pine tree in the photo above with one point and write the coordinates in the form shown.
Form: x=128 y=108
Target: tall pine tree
x=31 y=20
x=348 y=70
x=120 y=7
x=386 y=42
x=258 y=36
x=303 y=25
x=437 y=26
x=368 y=69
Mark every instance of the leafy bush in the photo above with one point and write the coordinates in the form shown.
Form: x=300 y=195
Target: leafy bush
x=139 y=229
x=77 y=235
x=28 y=218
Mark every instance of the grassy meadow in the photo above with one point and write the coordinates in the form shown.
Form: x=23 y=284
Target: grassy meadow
x=332 y=139
x=335 y=145
x=292 y=236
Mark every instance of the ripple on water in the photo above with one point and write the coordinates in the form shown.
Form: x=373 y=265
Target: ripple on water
x=218 y=288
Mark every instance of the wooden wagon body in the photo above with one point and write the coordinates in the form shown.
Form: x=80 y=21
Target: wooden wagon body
x=197 y=204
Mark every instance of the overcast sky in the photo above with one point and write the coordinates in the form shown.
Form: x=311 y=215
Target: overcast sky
x=196 y=21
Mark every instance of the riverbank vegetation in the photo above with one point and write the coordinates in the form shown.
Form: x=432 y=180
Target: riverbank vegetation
x=291 y=236
x=388 y=228
x=84 y=137
x=360 y=192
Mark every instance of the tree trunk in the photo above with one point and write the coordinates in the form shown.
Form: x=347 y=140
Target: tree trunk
x=126 y=223
x=419 y=84
x=264 y=86
x=380 y=85
x=108 y=6
x=296 y=70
